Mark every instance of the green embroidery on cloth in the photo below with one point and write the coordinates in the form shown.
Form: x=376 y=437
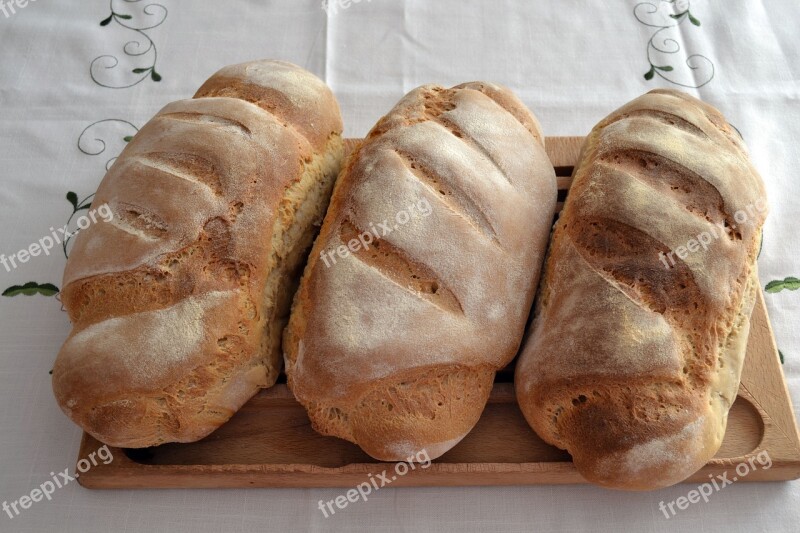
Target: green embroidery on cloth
x=790 y=283
x=77 y=205
x=90 y=141
x=664 y=45
x=31 y=288
x=142 y=46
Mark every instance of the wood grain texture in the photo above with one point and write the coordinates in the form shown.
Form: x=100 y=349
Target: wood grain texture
x=270 y=443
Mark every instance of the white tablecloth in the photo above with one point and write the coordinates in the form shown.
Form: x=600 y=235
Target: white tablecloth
x=571 y=62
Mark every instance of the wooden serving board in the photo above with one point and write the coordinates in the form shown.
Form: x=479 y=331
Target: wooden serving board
x=270 y=443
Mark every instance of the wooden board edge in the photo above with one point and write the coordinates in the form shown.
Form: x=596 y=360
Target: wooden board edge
x=437 y=474
x=762 y=381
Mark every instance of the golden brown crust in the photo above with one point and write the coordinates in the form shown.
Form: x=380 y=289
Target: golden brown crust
x=297 y=98
x=634 y=361
x=179 y=301
x=394 y=347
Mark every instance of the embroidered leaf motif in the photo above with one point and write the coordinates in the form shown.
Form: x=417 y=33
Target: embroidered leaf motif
x=155 y=76
x=780 y=355
x=664 y=41
x=152 y=16
x=73 y=199
x=778 y=285
x=691 y=17
x=31 y=288
x=128 y=138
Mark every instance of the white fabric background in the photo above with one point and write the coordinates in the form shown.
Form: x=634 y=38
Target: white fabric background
x=571 y=62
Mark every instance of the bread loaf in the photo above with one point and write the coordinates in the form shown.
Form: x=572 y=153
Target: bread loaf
x=420 y=283
x=643 y=312
x=178 y=303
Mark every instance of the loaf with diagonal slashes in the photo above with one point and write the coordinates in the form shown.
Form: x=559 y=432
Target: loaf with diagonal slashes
x=178 y=303
x=419 y=286
x=643 y=312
